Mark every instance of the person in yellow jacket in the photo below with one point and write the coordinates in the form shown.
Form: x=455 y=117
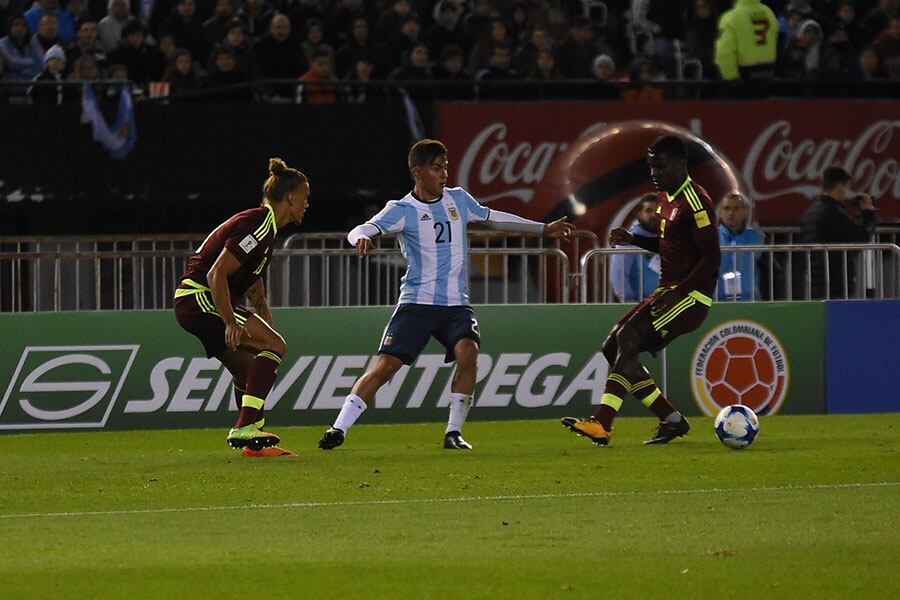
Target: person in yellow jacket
x=746 y=48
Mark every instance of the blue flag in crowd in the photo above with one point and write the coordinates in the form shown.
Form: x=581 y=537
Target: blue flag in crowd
x=119 y=138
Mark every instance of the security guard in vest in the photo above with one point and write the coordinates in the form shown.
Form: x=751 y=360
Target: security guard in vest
x=747 y=44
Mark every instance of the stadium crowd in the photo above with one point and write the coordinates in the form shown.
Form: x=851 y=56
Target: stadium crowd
x=179 y=48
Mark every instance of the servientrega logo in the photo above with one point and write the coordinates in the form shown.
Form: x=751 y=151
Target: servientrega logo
x=740 y=362
x=56 y=387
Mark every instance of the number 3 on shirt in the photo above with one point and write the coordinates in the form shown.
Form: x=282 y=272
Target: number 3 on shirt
x=440 y=227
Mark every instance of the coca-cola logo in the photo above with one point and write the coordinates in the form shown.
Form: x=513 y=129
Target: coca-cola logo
x=496 y=168
x=774 y=159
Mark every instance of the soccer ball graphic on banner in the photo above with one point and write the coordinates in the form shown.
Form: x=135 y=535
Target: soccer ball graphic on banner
x=737 y=426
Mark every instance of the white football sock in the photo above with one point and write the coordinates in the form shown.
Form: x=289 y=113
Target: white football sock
x=675 y=417
x=459 y=410
x=350 y=412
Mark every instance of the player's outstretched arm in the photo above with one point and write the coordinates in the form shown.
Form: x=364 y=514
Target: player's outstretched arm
x=559 y=228
x=361 y=237
x=498 y=220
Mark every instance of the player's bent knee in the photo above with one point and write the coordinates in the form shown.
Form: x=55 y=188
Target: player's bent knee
x=466 y=352
x=276 y=344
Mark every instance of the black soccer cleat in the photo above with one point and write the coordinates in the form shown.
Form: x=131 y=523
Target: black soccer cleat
x=453 y=440
x=332 y=438
x=666 y=432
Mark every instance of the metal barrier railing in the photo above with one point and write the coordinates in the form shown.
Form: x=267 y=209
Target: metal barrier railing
x=785 y=273
x=792 y=235
x=97 y=273
x=145 y=279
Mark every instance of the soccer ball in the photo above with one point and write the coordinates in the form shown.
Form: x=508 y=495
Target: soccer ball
x=737 y=426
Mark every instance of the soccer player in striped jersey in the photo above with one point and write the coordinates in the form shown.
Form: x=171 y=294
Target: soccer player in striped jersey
x=227 y=266
x=431 y=222
x=688 y=246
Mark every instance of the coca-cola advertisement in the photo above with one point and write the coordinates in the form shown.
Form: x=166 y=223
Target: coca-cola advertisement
x=586 y=160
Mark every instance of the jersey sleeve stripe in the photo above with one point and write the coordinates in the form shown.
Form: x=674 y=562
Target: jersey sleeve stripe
x=692 y=199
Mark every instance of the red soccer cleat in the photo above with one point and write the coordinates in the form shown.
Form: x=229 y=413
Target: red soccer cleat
x=270 y=451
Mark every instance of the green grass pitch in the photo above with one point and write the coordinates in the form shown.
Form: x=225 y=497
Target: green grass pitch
x=811 y=510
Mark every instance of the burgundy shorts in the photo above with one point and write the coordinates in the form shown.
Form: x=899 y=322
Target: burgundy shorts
x=684 y=317
x=197 y=315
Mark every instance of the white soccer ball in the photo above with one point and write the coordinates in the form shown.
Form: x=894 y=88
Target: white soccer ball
x=737 y=426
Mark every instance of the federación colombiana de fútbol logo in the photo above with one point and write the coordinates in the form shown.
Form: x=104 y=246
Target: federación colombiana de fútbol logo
x=739 y=362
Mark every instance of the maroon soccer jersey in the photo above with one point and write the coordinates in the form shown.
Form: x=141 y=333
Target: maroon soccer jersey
x=249 y=236
x=688 y=242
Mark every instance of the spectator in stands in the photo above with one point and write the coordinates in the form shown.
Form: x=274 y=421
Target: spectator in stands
x=499 y=69
x=828 y=221
x=7 y=11
x=278 y=55
x=86 y=68
x=110 y=26
x=23 y=61
x=576 y=53
x=538 y=38
x=236 y=41
x=226 y=73
x=636 y=276
x=87 y=42
x=415 y=67
x=642 y=83
x=167 y=48
x=887 y=49
x=845 y=26
x=216 y=27
x=315 y=87
x=739 y=272
x=42 y=93
x=746 y=53
x=391 y=21
x=314 y=41
x=604 y=68
x=447 y=28
x=477 y=21
x=65 y=20
x=397 y=47
x=356 y=91
x=450 y=69
x=701 y=34
x=302 y=12
x=517 y=21
x=257 y=16
x=496 y=34
x=868 y=66
x=343 y=18
x=47 y=34
x=360 y=43
x=184 y=25
x=877 y=19
x=138 y=56
x=183 y=76
x=544 y=68
x=665 y=20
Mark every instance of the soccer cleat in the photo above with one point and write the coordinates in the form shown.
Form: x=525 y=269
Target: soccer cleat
x=251 y=436
x=453 y=440
x=333 y=438
x=666 y=432
x=589 y=428
x=271 y=451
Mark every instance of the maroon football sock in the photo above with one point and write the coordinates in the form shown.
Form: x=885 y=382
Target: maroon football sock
x=617 y=387
x=260 y=379
x=650 y=396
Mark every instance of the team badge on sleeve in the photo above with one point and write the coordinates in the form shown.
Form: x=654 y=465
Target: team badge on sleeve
x=702 y=219
x=248 y=243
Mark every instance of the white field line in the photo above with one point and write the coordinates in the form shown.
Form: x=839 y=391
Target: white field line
x=289 y=505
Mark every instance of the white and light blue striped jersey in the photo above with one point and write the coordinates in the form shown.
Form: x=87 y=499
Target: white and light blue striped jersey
x=434 y=242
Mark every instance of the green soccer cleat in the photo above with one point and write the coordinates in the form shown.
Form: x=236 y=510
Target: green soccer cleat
x=251 y=436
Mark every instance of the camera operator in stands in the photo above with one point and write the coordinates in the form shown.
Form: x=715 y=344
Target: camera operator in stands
x=829 y=221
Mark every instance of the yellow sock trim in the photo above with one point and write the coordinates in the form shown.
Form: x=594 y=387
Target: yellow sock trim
x=640 y=385
x=621 y=380
x=252 y=401
x=612 y=401
x=271 y=356
x=651 y=398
